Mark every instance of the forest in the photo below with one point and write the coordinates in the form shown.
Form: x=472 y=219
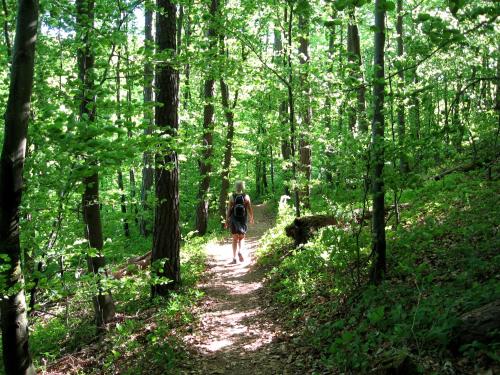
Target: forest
x=366 y=133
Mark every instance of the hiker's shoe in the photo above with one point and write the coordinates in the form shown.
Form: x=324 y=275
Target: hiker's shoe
x=240 y=257
x=233 y=261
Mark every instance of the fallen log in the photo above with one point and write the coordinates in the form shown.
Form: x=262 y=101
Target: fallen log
x=481 y=325
x=133 y=265
x=465 y=168
x=303 y=228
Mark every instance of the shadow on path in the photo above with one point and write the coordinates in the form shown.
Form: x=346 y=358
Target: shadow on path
x=234 y=335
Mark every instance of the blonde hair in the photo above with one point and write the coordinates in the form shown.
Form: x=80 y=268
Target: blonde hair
x=239 y=186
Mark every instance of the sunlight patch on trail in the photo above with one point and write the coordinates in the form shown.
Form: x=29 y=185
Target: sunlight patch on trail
x=231 y=321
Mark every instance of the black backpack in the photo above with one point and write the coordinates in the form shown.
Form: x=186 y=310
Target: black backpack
x=239 y=210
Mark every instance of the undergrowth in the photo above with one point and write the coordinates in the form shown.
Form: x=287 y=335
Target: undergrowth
x=443 y=261
x=145 y=330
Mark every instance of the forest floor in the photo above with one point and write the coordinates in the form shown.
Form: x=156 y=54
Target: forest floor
x=235 y=332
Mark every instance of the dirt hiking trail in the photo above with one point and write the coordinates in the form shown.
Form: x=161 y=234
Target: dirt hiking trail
x=234 y=335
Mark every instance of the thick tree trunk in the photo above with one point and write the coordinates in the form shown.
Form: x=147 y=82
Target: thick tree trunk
x=103 y=302
x=378 y=220
x=147 y=169
x=14 y=321
x=165 y=257
x=306 y=112
x=205 y=163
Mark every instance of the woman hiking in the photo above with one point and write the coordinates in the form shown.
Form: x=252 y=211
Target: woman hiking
x=238 y=212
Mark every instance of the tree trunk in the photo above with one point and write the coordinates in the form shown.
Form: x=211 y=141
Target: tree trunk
x=291 y=112
x=187 y=67
x=123 y=204
x=129 y=125
x=103 y=302
x=328 y=104
x=354 y=55
x=165 y=259
x=147 y=169
x=228 y=111
x=378 y=221
x=305 y=146
x=14 y=321
x=6 y=28
x=283 y=108
x=205 y=163
x=403 y=162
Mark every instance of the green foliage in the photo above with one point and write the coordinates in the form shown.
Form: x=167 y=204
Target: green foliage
x=445 y=81
x=442 y=262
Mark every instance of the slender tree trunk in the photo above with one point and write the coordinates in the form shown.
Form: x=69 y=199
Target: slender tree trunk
x=378 y=219
x=103 y=302
x=129 y=124
x=187 y=67
x=356 y=114
x=271 y=166
x=123 y=203
x=228 y=150
x=305 y=146
x=328 y=104
x=403 y=162
x=165 y=257
x=180 y=21
x=229 y=113
x=341 y=109
x=280 y=62
x=6 y=28
x=291 y=112
x=205 y=163
x=147 y=169
x=14 y=321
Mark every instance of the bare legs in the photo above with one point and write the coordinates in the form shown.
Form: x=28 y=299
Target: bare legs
x=235 y=244
x=238 y=244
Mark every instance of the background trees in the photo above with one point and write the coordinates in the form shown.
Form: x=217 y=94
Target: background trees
x=278 y=93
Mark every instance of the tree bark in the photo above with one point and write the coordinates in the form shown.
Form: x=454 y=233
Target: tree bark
x=165 y=257
x=403 y=162
x=354 y=56
x=123 y=204
x=205 y=163
x=14 y=321
x=6 y=28
x=103 y=302
x=129 y=124
x=377 y=144
x=229 y=113
x=291 y=111
x=280 y=62
x=187 y=67
x=305 y=146
x=147 y=169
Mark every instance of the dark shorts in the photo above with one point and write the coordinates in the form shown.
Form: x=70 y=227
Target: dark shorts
x=238 y=226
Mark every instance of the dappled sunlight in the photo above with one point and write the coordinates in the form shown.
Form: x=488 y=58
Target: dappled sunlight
x=233 y=327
